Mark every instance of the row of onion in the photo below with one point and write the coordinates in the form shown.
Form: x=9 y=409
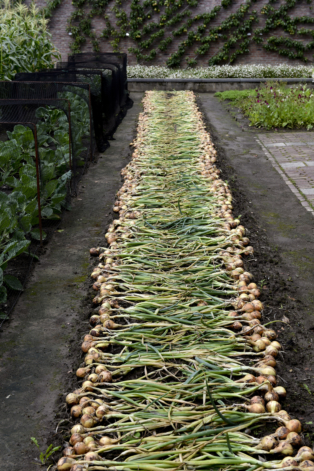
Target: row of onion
x=178 y=370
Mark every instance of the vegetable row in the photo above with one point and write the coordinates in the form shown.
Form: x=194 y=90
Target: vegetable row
x=178 y=370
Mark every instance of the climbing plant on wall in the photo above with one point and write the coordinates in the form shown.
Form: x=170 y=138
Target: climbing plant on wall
x=160 y=26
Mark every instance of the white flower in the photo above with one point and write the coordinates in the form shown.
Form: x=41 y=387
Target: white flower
x=127 y=34
x=223 y=71
x=70 y=34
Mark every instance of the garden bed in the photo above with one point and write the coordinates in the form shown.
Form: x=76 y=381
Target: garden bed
x=119 y=304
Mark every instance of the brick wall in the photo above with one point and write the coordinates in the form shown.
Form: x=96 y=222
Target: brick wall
x=257 y=55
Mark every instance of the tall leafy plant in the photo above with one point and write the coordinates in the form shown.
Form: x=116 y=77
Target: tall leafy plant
x=25 y=43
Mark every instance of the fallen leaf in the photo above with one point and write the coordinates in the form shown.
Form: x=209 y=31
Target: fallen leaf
x=285 y=320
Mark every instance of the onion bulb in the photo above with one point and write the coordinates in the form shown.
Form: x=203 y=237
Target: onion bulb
x=80 y=448
x=76 y=411
x=88 y=386
x=281 y=433
x=247 y=379
x=94 y=320
x=270 y=334
x=93 y=378
x=77 y=429
x=102 y=411
x=266 y=341
x=268 y=370
x=280 y=391
x=87 y=421
x=267 y=443
x=276 y=345
x=257 y=400
x=89 y=410
x=284 y=448
x=283 y=414
x=287 y=461
x=68 y=451
x=273 y=406
x=294 y=425
x=72 y=399
x=100 y=368
x=294 y=438
x=105 y=377
x=75 y=438
x=82 y=372
x=305 y=453
x=259 y=346
x=91 y=456
x=65 y=464
x=270 y=350
x=272 y=380
x=248 y=307
x=307 y=464
x=236 y=326
x=256 y=408
x=271 y=396
x=106 y=441
x=258 y=306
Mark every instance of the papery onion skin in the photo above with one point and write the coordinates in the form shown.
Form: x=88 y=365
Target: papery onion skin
x=307 y=464
x=294 y=438
x=285 y=416
x=89 y=410
x=76 y=411
x=65 y=464
x=267 y=443
x=294 y=425
x=271 y=396
x=105 y=377
x=287 y=461
x=77 y=429
x=87 y=421
x=257 y=400
x=305 y=453
x=281 y=433
x=68 y=451
x=91 y=456
x=273 y=406
x=284 y=448
x=75 y=438
x=256 y=408
x=106 y=441
x=102 y=411
x=72 y=399
x=80 y=448
x=280 y=391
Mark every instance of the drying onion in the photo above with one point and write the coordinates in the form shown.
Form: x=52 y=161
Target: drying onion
x=273 y=406
x=80 y=448
x=65 y=464
x=280 y=391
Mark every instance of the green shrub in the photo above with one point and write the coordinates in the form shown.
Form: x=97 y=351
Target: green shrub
x=25 y=44
x=275 y=105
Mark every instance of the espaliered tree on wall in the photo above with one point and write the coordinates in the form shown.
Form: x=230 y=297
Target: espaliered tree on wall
x=179 y=29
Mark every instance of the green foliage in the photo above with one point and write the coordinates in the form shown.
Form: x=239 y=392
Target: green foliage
x=25 y=44
x=276 y=105
x=154 y=24
x=45 y=455
x=19 y=214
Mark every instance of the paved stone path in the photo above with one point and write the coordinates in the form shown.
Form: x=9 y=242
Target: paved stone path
x=292 y=154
